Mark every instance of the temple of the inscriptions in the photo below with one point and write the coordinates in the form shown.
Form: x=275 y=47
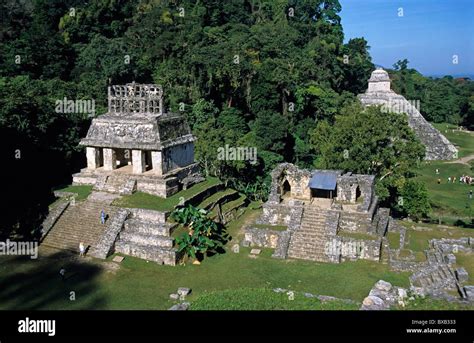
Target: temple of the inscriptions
x=379 y=93
x=137 y=146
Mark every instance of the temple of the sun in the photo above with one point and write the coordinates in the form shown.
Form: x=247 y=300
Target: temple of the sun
x=379 y=93
x=136 y=145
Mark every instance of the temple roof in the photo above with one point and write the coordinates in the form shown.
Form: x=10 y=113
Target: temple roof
x=136 y=120
x=379 y=75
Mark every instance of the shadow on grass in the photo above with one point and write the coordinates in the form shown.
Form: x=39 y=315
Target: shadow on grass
x=27 y=284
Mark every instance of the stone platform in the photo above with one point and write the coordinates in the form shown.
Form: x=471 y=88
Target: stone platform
x=123 y=181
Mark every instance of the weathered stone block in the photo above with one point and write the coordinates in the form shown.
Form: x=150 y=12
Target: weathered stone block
x=184 y=291
x=469 y=290
x=461 y=274
x=450 y=259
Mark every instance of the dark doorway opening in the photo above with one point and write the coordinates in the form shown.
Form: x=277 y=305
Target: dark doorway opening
x=285 y=188
x=358 y=193
x=148 y=163
x=321 y=193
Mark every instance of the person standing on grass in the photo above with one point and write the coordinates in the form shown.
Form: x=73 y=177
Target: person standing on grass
x=102 y=217
x=439 y=181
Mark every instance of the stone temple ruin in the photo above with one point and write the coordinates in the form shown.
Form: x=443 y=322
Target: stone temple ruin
x=136 y=145
x=323 y=214
x=379 y=93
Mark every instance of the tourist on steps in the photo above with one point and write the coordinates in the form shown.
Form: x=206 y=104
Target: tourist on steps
x=102 y=217
x=62 y=272
x=82 y=249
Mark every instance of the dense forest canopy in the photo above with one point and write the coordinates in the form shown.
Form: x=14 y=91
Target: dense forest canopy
x=275 y=75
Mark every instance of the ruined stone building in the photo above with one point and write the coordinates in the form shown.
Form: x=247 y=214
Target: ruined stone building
x=379 y=93
x=136 y=145
x=320 y=209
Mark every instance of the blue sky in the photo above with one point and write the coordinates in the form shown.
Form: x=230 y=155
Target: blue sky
x=428 y=34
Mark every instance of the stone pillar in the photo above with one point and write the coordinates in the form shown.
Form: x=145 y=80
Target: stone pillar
x=138 y=161
x=110 y=159
x=157 y=162
x=93 y=158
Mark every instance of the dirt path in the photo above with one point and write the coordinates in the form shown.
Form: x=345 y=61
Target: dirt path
x=463 y=160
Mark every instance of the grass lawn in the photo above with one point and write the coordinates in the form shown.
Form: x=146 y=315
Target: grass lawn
x=216 y=196
x=264 y=299
x=462 y=140
x=153 y=202
x=393 y=240
x=447 y=199
x=430 y=304
x=418 y=240
x=82 y=191
x=136 y=284
x=467 y=262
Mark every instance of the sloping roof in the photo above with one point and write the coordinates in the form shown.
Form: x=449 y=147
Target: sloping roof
x=323 y=180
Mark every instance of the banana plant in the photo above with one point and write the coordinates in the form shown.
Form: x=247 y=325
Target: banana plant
x=202 y=236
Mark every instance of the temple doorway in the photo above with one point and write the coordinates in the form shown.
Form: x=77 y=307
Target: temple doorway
x=285 y=189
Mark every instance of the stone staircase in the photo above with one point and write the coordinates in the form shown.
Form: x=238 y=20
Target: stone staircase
x=115 y=183
x=308 y=242
x=437 y=146
x=146 y=237
x=436 y=276
x=79 y=223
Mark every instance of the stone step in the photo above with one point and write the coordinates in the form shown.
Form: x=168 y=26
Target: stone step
x=167 y=256
x=149 y=227
x=147 y=239
x=79 y=223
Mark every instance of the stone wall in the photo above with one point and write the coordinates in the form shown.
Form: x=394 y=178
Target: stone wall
x=280 y=214
x=149 y=215
x=107 y=241
x=297 y=178
x=380 y=221
x=347 y=186
x=347 y=248
x=53 y=216
x=178 y=156
x=264 y=238
x=355 y=222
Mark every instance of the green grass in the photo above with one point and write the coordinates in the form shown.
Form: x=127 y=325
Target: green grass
x=264 y=299
x=26 y=284
x=419 y=240
x=462 y=140
x=271 y=227
x=430 y=304
x=393 y=240
x=82 y=191
x=447 y=199
x=216 y=197
x=356 y=235
x=404 y=253
x=467 y=262
x=153 y=202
